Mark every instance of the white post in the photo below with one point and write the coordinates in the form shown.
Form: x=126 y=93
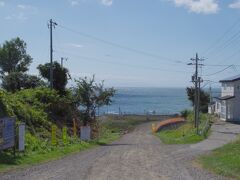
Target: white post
x=21 y=137
x=85 y=133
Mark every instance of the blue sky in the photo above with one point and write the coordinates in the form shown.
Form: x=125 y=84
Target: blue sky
x=137 y=43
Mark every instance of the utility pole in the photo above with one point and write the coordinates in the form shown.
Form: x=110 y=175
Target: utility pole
x=210 y=93
x=50 y=26
x=198 y=102
x=62 y=58
x=197 y=82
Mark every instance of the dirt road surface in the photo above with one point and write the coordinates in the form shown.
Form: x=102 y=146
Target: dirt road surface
x=136 y=156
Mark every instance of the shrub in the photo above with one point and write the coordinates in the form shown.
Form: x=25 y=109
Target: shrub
x=185 y=113
x=38 y=108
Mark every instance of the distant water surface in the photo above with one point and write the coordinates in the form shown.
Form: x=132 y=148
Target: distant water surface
x=142 y=100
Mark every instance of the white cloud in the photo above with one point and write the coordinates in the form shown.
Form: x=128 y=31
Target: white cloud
x=199 y=6
x=21 y=6
x=22 y=12
x=19 y=16
x=2 y=3
x=74 y=3
x=29 y=8
x=107 y=2
x=235 y=5
x=74 y=45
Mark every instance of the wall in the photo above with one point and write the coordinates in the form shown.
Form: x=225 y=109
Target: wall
x=227 y=89
x=236 y=101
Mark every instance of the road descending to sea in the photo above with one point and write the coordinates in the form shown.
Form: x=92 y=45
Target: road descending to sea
x=138 y=155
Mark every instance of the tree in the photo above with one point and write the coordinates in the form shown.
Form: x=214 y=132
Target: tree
x=60 y=75
x=13 y=57
x=89 y=96
x=17 y=80
x=14 y=63
x=204 y=98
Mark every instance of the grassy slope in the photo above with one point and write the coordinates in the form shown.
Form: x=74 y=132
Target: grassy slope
x=110 y=131
x=224 y=161
x=185 y=134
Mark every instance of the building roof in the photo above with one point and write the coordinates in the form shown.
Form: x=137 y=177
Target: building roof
x=231 y=79
x=225 y=97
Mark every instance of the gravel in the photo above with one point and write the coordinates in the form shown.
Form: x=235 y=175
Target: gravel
x=136 y=156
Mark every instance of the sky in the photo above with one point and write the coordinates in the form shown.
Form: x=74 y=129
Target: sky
x=130 y=43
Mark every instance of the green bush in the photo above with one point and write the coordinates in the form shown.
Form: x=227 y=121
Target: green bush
x=38 y=108
x=185 y=113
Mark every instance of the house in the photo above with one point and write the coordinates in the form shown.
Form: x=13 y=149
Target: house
x=227 y=106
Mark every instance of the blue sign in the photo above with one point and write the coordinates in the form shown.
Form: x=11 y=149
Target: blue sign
x=7 y=133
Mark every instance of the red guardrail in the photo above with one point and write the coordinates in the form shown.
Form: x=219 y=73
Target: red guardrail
x=156 y=128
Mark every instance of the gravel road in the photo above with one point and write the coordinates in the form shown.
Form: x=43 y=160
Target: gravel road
x=136 y=156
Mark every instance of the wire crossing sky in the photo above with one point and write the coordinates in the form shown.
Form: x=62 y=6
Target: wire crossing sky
x=145 y=43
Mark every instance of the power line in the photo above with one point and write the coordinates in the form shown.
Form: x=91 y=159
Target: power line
x=226 y=44
x=221 y=65
x=219 y=71
x=222 y=37
x=121 y=64
x=158 y=57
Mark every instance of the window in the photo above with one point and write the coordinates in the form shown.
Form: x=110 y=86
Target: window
x=225 y=86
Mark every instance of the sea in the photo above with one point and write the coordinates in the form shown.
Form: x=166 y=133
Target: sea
x=141 y=101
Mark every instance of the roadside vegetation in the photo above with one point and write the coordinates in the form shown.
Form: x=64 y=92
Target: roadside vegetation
x=39 y=150
x=29 y=100
x=186 y=133
x=224 y=160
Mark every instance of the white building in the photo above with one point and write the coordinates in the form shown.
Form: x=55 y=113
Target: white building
x=227 y=105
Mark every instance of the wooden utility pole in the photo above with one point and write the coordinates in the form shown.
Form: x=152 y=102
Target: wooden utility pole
x=50 y=26
x=197 y=83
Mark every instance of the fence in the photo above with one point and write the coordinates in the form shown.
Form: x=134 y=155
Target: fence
x=204 y=130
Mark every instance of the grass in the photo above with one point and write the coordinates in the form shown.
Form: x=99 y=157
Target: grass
x=224 y=161
x=183 y=134
x=40 y=152
x=9 y=162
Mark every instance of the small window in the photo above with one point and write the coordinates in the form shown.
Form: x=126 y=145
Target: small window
x=225 y=86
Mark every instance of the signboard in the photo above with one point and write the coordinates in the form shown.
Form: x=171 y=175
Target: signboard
x=21 y=137
x=7 y=133
x=64 y=135
x=85 y=133
x=54 y=135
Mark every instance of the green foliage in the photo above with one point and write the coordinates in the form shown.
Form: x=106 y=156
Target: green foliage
x=186 y=133
x=14 y=63
x=40 y=150
x=185 y=113
x=224 y=160
x=13 y=56
x=89 y=95
x=38 y=108
x=60 y=75
x=17 y=80
x=204 y=98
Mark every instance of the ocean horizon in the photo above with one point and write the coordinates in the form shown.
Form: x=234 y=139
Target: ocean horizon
x=152 y=100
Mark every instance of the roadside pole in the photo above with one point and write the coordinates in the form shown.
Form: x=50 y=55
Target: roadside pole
x=197 y=91
x=50 y=26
